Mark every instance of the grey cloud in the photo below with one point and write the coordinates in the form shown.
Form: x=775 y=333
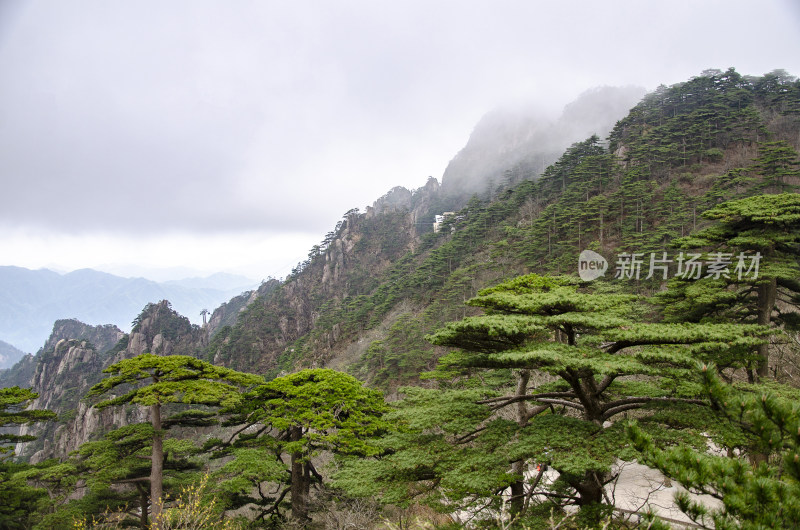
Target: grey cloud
x=215 y=116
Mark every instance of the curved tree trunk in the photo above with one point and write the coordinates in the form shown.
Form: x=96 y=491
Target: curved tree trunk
x=589 y=491
x=590 y=498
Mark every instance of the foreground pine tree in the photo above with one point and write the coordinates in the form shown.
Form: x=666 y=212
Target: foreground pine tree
x=18 y=499
x=116 y=469
x=298 y=415
x=542 y=379
x=766 y=495
x=154 y=381
x=13 y=412
x=767 y=226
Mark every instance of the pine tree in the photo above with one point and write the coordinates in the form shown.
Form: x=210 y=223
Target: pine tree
x=13 y=412
x=766 y=495
x=19 y=499
x=765 y=230
x=300 y=415
x=580 y=361
x=116 y=469
x=153 y=381
x=779 y=165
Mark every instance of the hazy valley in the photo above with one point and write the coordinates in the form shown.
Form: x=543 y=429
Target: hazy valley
x=31 y=301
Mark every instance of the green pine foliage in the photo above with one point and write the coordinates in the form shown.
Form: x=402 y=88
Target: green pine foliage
x=20 y=499
x=541 y=378
x=58 y=481
x=760 y=493
x=14 y=412
x=22 y=502
x=115 y=473
x=157 y=381
x=297 y=417
x=765 y=226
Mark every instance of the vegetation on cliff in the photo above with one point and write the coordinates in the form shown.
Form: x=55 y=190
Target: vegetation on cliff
x=681 y=151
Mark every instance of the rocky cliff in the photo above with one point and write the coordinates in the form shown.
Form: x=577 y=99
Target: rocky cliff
x=72 y=361
x=299 y=318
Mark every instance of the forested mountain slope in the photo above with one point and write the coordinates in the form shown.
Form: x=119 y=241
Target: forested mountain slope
x=378 y=283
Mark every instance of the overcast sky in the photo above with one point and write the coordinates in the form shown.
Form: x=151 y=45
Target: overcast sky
x=232 y=135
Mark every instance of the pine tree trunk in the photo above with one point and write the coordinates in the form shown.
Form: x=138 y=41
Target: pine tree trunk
x=156 y=467
x=517 y=489
x=299 y=487
x=590 y=499
x=589 y=491
x=766 y=302
x=306 y=485
x=144 y=500
x=518 y=467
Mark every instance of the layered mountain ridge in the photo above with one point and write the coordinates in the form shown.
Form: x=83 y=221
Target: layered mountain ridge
x=30 y=301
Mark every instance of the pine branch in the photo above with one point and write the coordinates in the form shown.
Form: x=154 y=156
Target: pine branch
x=562 y=402
x=536 y=411
x=615 y=407
x=605 y=383
x=470 y=436
x=508 y=400
x=133 y=480
x=246 y=426
x=275 y=505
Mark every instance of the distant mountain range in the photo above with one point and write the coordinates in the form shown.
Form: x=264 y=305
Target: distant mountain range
x=32 y=300
x=9 y=354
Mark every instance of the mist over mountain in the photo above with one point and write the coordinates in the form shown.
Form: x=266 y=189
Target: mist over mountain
x=217 y=281
x=9 y=354
x=510 y=142
x=30 y=301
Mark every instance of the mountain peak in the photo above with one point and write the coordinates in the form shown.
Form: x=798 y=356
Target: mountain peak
x=525 y=140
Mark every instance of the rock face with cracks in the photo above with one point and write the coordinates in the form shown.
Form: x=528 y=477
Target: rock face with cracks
x=72 y=360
